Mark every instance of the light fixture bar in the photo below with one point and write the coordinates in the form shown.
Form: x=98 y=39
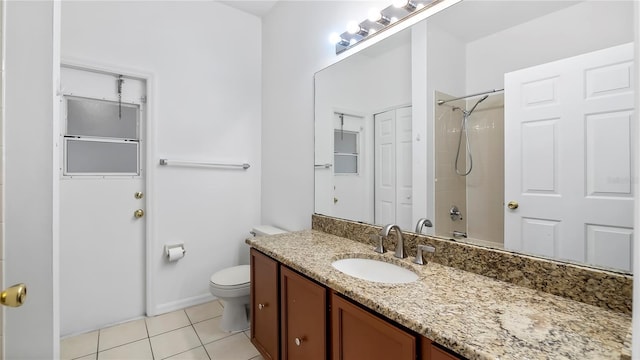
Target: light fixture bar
x=382 y=21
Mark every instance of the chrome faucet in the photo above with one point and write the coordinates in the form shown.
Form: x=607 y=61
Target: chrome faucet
x=457 y=233
x=400 y=246
x=377 y=238
x=420 y=249
x=422 y=223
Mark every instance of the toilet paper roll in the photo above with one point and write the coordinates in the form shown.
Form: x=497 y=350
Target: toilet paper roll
x=175 y=253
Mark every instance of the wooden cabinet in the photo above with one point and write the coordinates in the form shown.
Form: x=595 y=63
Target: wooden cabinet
x=304 y=320
x=290 y=320
x=431 y=351
x=264 y=305
x=357 y=334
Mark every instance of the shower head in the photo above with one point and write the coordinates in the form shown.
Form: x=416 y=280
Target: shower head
x=479 y=101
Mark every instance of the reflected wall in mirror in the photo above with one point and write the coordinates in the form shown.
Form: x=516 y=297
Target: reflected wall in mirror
x=549 y=158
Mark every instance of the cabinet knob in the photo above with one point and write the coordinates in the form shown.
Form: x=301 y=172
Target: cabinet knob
x=261 y=306
x=298 y=341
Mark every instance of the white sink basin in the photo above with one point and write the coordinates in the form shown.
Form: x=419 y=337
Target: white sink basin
x=375 y=270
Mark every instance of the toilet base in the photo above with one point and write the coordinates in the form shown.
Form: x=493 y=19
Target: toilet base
x=235 y=316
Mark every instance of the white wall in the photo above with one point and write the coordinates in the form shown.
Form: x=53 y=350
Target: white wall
x=295 y=46
x=584 y=29
x=205 y=59
x=30 y=66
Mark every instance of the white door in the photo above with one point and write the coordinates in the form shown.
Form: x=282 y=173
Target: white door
x=102 y=238
x=393 y=175
x=568 y=156
x=385 y=164
x=351 y=171
x=404 y=177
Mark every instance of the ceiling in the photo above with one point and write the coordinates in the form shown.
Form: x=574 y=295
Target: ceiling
x=256 y=7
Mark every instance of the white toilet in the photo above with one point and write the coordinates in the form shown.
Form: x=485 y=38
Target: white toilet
x=231 y=285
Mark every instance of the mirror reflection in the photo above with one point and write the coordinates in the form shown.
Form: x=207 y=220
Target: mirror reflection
x=507 y=124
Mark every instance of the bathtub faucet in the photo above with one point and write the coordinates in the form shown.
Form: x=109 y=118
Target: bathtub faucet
x=459 y=234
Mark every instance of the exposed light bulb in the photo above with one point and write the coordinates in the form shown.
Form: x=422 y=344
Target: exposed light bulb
x=372 y=31
x=334 y=38
x=353 y=27
x=394 y=19
x=374 y=15
x=353 y=41
x=400 y=3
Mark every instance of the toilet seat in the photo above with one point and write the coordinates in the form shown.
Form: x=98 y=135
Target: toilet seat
x=231 y=278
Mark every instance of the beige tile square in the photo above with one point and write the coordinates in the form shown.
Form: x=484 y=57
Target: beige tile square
x=209 y=330
x=80 y=345
x=204 y=311
x=235 y=347
x=174 y=342
x=122 y=334
x=193 y=354
x=139 y=350
x=170 y=321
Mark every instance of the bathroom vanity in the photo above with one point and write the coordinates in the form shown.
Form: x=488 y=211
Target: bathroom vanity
x=315 y=319
x=304 y=308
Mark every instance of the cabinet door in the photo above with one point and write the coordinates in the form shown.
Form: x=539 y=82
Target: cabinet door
x=264 y=305
x=304 y=319
x=357 y=334
x=432 y=352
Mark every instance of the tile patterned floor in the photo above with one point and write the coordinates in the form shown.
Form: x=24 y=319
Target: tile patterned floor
x=189 y=334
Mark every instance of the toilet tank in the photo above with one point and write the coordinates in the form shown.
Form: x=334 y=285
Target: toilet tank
x=262 y=230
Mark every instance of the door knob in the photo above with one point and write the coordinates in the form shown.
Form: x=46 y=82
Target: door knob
x=14 y=296
x=138 y=195
x=138 y=213
x=512 y=205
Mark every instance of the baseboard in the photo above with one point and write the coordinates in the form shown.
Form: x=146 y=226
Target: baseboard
x=180 y=304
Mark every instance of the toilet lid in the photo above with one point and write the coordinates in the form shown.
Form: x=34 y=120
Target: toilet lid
x=235 y=275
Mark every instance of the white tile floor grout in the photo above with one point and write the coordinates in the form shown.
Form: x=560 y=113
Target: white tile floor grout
x=188 y=334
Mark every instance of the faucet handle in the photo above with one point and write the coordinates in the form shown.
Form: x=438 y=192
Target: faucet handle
x=420 y=248
x=380 y=245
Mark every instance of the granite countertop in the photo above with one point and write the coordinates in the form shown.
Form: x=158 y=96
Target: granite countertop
x=475 y=316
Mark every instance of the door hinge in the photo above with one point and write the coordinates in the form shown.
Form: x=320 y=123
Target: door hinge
x=143 y=99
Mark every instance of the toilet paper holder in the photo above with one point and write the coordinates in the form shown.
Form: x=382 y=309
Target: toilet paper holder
x=174 y=252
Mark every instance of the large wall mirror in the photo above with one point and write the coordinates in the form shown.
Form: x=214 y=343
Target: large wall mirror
x=506 y=123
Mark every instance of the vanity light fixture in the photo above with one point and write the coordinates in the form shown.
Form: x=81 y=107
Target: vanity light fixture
x=406 y=4
x=375 y=15
x=379 y=20
x=354 y=28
